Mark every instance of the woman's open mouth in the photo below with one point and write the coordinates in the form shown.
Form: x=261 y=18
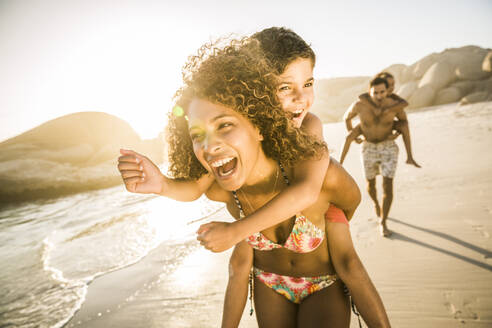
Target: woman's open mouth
x=224 y=167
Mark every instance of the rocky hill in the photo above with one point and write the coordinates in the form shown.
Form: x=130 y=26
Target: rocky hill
x=73 y=153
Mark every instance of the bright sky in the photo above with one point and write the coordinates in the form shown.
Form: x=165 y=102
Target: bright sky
x=124 y=57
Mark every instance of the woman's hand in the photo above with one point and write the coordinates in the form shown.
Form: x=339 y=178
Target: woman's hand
x=139 y=174
x=218 y=236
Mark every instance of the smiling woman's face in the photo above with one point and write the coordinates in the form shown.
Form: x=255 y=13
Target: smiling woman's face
x=224 y=142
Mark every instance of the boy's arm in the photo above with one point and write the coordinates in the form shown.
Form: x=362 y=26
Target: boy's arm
x=398 y=99
x=366 y=98
x=352 y=272
x=141 y=175
x=303 y=191
x=394 y=101
x=236 y=294
x=397 y=104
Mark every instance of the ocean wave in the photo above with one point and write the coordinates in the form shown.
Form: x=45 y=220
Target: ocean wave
x=57 y=275
x=101 y=226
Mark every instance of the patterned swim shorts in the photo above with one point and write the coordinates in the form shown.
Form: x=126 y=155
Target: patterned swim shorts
x=380 y=157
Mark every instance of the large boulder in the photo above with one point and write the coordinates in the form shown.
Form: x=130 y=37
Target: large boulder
x=448 y=95
x=422 y=97
x=396 y=70
x=420 y=67
x=453 y=57
x=334 y=96
x=406 y=75
x=474 y=98
x=487 y=62
x=470 y=68
x=439 y=75
x=465 y=87
x=335 y=86
x=407 y=89
x=483 y=85
x=456 y=56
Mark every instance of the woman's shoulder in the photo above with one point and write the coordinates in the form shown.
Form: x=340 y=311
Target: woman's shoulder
x=340 y=187
x=333 y=173
x=336 y=177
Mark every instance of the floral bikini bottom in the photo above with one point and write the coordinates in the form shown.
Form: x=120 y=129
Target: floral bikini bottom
x=295 y=289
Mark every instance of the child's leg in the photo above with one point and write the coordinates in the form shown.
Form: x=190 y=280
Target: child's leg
x=356 y=131
x=402 y=127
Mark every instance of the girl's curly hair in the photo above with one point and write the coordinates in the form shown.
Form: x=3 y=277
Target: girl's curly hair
x=237 y=76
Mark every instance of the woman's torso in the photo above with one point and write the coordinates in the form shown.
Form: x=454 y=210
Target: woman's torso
x=283 y=260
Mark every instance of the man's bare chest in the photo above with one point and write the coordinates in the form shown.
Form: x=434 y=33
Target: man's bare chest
x=376 y=116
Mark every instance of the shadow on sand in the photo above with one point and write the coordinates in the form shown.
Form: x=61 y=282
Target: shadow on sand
x=398 y=236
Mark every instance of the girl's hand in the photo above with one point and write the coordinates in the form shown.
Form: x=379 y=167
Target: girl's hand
x=217 y=236
x=139 y=174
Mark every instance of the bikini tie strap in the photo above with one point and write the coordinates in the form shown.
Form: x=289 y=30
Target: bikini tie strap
x=251 y=282
x=238 y=203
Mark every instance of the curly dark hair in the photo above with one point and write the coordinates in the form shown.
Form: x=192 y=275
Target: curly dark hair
x=237 y=76
x=282 y=46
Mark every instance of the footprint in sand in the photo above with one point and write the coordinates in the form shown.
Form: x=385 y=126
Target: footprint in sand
x=365 y=232
x=460 y=308
x=478 y=228
x=482 y=231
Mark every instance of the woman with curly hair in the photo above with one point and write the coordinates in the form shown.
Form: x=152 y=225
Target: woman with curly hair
x=293 y=60
x=234 y=129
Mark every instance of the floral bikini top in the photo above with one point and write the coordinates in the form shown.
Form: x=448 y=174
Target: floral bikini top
x=305 y=236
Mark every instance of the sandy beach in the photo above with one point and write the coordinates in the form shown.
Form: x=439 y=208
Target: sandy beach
x=434 y=271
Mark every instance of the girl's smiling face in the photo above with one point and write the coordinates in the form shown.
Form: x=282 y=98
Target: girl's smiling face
x=225 y=143
x=296 y=89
